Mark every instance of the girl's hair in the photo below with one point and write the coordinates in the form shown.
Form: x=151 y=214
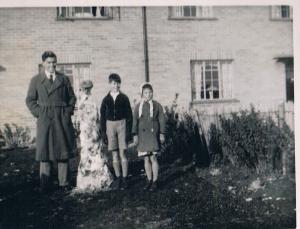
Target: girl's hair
x=147 y=86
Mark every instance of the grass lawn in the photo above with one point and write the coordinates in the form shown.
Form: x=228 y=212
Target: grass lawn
x=187 y=198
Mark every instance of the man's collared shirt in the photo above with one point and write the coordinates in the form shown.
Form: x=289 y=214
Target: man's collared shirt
x=48 y=75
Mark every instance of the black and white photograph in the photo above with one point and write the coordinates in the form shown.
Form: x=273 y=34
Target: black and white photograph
x=144 y=116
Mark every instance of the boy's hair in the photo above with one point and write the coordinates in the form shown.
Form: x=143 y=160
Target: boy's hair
x=147 y=86
x=114 y=77
x=47 y=54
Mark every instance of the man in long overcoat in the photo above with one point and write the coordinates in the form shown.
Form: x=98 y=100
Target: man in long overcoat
x=51 y=100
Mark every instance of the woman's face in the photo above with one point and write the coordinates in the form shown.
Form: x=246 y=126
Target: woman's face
x=86 y=91
x=147 y=94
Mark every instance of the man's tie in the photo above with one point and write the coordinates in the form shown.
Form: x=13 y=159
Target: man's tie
x=51 y=79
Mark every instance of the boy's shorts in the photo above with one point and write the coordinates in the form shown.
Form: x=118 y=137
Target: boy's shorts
x=116 y=134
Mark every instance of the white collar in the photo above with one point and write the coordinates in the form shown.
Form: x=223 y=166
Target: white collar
x=48 y=75
x=114 y=93
x=141 y=107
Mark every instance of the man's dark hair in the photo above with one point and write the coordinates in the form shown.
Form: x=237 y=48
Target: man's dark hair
x=47 y=54
x=114 y=77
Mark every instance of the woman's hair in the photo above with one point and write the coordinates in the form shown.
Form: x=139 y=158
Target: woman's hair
x=147 y=86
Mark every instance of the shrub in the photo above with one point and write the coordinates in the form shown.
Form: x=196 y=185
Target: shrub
x=183 y=140
x=247 y=138
x=16 y=136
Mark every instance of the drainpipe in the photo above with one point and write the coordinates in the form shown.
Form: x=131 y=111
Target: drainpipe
x=145 y=35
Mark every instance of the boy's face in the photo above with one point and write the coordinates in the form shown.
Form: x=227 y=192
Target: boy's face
x=147 y=94
x=50 y=64
x=114 y=86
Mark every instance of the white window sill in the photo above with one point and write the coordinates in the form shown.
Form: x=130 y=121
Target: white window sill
x=281 y=19
x=213 y=101
x=193 y=18
x=84 y=18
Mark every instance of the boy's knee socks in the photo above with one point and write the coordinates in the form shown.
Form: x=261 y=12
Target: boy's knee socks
x=116 y=165
x=124 y=167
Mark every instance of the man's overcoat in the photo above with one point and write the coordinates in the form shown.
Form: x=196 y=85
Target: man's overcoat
x=53 y=105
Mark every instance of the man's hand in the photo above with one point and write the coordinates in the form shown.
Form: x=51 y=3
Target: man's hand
x=162 y=138
x=136 y=140
x=128 y=137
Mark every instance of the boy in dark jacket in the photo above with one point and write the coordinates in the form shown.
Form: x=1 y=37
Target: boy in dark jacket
x=116 y=124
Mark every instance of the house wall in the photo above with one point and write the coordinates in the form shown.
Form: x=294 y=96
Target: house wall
x=110 y=45
x=245 y=34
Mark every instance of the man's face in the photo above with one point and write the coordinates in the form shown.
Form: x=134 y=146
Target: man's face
x=114 y=86
x=50 y=64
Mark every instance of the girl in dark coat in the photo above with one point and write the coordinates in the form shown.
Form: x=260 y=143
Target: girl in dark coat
x=148 y=131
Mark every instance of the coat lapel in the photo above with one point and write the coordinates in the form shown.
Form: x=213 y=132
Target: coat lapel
x=56 y=84
x=45 y=82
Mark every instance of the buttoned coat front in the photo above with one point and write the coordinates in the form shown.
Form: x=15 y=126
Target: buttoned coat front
x=148 y=128
x=53 y=105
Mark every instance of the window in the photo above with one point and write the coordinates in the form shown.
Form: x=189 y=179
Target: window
x=94 y=12
x=211 y=79
x=189 y=12
x=281 y=12
x=289 y=72
x=76 y=73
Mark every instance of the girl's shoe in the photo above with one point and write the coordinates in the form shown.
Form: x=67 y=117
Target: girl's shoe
x=153 y=186
x=148 y=185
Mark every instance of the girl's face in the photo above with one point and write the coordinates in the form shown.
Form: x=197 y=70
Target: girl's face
x=147 y=94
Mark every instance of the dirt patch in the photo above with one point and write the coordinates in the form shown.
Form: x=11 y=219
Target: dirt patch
x=186 y=199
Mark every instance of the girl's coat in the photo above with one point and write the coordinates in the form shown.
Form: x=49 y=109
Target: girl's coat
x=148 y=128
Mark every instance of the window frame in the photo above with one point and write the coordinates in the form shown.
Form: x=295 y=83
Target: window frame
x=72 y=18
x=73 y=64
x=171 y=15
x=194 y=99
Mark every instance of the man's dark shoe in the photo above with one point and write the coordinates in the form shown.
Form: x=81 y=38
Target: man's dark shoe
x=124 y=183
x=66 y=188
x=148 y=185
x=154 y=186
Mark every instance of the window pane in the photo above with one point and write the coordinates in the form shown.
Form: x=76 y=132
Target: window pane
x=215 y=75
x=86 y=9
x=215 y=85
x=285 y=11
x=207 y=76
x=62 y=12
x=187 y=11
x=216 y=94
x=78 y=10
x=193 y=11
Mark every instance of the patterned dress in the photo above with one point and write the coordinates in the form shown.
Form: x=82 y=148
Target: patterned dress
x=93 y=172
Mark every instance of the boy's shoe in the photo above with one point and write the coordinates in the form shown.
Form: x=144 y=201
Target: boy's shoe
x=153 y=187
x=117 y=183
x=148 y=185
x=124 y=183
